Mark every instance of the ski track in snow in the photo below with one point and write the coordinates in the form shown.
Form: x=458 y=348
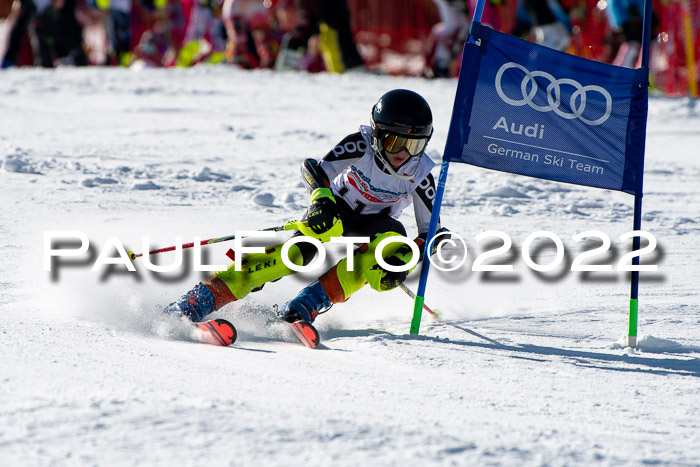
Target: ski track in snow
x=92 y=374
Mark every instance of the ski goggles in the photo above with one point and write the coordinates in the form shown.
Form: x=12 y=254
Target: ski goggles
x=395 y=143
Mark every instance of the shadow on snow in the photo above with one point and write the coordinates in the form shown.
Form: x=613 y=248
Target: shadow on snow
x=598 y=360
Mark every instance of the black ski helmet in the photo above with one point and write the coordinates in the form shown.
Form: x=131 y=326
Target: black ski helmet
x=404 y=113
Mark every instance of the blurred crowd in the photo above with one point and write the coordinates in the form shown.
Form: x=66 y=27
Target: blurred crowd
x=311 y=35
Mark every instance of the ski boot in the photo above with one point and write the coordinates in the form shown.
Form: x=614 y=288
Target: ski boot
x=311 y=301
x=194 y=305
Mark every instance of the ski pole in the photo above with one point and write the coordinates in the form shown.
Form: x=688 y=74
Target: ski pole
x=435 y=315
x=288 y=226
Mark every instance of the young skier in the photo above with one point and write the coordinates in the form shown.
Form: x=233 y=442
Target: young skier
x=358 y=189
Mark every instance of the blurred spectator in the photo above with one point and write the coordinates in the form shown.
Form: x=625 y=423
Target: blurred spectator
x=113 y=19
x=158 y=44
x=119 y=31
x=548 y=29
x=323 y=30
x=204 y=22
x=627 y=25
x=446 y=40
x=252 y=42
x=154 y=48
x=60 y=35
x=299 y=48
x=20 y=15
x=498 y=14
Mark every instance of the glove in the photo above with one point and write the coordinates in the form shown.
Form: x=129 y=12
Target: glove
x=392 y=279
x=323 y=211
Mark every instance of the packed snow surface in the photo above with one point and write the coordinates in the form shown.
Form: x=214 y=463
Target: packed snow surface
x=527 y=368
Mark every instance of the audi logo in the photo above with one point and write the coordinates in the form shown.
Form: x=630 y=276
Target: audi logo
x=553 y=92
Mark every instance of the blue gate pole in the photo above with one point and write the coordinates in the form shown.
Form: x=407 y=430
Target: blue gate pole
x=634 y=289
x=420 y=294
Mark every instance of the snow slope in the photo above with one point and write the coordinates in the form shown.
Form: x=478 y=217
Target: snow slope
x=92 y=374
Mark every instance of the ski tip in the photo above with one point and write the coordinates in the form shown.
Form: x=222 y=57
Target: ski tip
x=307 y=334
x=218 y=332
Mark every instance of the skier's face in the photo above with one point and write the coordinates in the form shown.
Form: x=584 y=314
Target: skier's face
x=397 y=159
x=398 y=149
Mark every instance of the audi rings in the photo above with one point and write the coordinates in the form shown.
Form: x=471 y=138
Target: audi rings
x=553 y=92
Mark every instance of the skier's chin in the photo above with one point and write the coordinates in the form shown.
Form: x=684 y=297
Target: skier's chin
x=397 y=164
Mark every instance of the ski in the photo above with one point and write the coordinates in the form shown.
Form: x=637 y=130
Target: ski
x=215 y=332
x=306 y=333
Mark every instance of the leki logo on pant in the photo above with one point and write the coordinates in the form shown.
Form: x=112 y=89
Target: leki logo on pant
x=577 y=101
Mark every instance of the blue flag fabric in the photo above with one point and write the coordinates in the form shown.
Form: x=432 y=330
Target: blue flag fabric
x=527 y=109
